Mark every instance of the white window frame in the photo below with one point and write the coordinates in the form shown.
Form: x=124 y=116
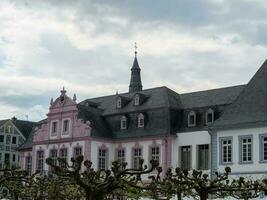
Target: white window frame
x=187 y=166
x=228 y=147
x=137 y=156
x=63 y=132
x=124 y=123
x=120 y=155
x=247 y=145
x=54 y=134
x=261 y=150
x=40 y=161
x=155 y=153
x=190 y=114
x=141 y=120
x=206 y=156
x=75 y=155
x=102 y=158
x=209 y=112
x=28 y=164
x=53 y=156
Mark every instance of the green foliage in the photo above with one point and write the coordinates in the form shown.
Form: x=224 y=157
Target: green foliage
x=80 y=181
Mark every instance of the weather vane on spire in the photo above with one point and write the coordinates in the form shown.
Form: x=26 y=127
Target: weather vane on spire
x=135 y=48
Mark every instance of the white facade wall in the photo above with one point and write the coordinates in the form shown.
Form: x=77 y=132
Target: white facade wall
x=47 y=148
x=255 y=168
x=128 y=146
x=192 y=139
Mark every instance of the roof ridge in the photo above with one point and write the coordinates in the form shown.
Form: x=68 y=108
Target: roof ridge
x=241 y=85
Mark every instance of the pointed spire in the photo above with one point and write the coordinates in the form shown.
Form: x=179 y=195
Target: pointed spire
x=135 y=52
x=135 y=83
x=63 y=91
x=51 y=101
x=74 y=97
x=117 y=92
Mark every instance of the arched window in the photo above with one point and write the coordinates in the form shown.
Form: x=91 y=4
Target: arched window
x=191 y=119
x=118 y=102
x=209 y=116
x=137 y=100
x=141 y=120
x=123 y=122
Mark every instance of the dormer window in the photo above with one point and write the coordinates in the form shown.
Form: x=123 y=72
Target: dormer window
x=191 y=119
x=137 y=100
x=141 y=120
x=209 y=116
x=119 y=102
x=123 y=122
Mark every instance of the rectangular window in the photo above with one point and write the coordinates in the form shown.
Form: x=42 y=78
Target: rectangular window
x=155 y=153
x=53 y=155
x=263 y=147
x=14 y=158
x=102 y=153
x=28 y=164
x=14 y=140
x=64 y=154
x=40 y=161
x=77 y=152
x=2 y=137
x=137 y=156
x=226 y=150
x=66 y=126
x=7 y=158
x=54 y=127
x=203 y=157
x=1 y=161
x=186 y=157
x=121 y=155
x=8 y=138
x=245 y=143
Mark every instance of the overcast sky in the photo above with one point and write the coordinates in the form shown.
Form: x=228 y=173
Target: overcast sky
x=88 y=47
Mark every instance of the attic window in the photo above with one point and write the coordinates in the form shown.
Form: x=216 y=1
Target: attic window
x=119 y=102
x=137 y=100
x=191 y=119
x=209 y=116
x=141 y=120
x=123 y=123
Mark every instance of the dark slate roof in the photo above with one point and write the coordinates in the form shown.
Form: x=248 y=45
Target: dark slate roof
x=220 y=96
x=250 y=106
x=28 y=143
x=97 y=122
x=156 y=98
x=24 y=127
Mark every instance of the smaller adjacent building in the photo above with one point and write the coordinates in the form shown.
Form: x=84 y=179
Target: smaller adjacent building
x=13 y=133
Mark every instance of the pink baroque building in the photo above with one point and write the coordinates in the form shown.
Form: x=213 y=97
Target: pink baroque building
x=124 y=127
x=205 y=130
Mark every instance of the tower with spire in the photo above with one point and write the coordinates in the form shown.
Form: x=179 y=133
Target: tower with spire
x=135 y=83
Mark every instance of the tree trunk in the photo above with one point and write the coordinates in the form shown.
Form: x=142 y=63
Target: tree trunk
x=203 y=196
x=179 y=196
x=93 y=196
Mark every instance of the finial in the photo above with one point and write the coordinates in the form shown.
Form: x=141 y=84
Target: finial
x=74 y=97
x=135 y=49
x=63 y=91
x=117 y=92
x=51 y=101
